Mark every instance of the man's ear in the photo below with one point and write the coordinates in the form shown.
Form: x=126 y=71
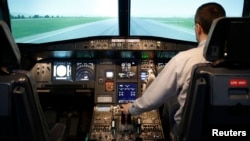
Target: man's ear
x=199 y=29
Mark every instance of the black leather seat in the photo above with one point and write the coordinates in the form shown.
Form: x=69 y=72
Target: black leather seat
x=21 y=116
x=218 y=101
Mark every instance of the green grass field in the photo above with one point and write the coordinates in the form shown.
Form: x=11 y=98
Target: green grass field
x=182 y=22
x=32 y=26
x=27 y=27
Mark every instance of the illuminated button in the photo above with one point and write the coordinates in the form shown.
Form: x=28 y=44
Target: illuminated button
x=109 y=86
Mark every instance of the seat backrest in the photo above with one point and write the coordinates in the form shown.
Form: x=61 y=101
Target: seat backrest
x=21 y=116
x=218 y=100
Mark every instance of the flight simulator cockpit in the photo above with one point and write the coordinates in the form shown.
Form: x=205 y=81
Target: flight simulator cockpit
x=90 y=57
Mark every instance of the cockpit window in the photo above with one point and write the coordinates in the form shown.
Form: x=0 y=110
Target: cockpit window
x=41 y=21
x=172 y=18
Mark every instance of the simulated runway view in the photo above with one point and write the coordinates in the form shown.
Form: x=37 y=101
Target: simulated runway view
x=109 y=27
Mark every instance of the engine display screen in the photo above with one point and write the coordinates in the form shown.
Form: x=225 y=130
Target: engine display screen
x=62 y=71
x=126 y=92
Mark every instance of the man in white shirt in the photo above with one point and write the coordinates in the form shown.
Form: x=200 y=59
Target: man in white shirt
x=173 y=81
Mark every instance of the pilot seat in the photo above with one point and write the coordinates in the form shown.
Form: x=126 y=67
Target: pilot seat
x=21 y=115
x=218 y=101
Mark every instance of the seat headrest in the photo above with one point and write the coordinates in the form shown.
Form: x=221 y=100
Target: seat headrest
x=229 y=39
x=10 y=56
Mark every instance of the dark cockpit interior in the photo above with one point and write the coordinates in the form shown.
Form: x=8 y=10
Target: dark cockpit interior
x=87 y=58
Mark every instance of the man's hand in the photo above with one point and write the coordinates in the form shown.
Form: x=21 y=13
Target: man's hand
x=124 y=108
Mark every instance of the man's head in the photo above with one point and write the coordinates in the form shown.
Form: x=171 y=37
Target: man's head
x=204 y=17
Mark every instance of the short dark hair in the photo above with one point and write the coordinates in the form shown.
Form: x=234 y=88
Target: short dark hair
x=206 y=13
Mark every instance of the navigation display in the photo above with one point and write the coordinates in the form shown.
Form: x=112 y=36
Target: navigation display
x=62 y=71
x=84 y=71
x=126 y=92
